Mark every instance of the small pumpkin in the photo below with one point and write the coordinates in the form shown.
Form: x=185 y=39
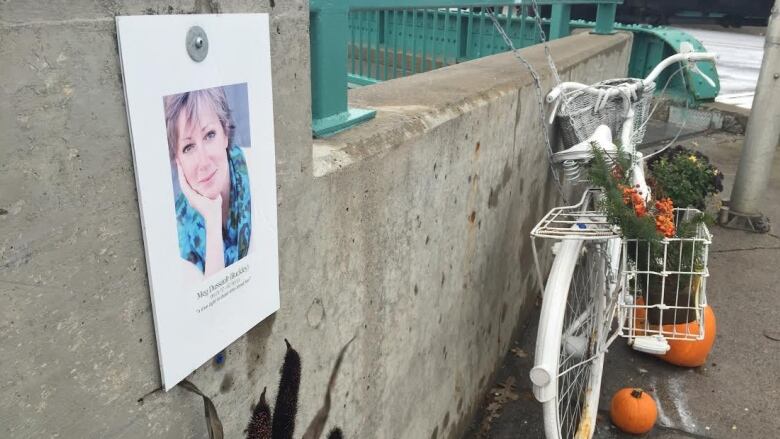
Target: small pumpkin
x=691 y=353
x=633 y=410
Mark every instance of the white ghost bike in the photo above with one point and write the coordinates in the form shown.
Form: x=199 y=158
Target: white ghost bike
x=586 y=289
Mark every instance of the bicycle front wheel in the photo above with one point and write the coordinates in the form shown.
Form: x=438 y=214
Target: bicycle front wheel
x=572 y=333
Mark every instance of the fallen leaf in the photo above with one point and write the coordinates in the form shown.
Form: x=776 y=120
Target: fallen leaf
x=505 y=391
x=528 y=395
x=213 y=424
x=519 y=353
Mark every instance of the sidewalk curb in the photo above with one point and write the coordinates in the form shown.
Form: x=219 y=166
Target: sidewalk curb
x=735 y=118
x=724 y=117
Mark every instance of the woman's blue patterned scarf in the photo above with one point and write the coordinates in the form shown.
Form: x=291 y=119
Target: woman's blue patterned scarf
x=237 y=228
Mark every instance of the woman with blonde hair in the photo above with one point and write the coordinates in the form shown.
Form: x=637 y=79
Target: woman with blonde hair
x=213 y=210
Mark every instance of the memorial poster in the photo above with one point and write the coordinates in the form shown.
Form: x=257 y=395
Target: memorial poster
x=199 y=104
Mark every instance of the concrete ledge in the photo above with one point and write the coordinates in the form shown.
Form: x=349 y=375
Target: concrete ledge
x=735 y=118
x=411 y=106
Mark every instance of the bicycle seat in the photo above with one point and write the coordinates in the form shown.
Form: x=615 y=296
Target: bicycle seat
x=601 y=138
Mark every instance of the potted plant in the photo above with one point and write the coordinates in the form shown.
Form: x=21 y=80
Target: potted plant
x=685 y=176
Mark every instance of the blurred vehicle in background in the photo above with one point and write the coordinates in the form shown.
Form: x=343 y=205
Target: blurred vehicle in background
x=728 y=13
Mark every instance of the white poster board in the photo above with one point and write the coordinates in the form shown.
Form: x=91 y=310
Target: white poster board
x=203 y=146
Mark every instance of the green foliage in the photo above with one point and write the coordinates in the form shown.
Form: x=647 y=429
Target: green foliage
x=685 y=176
x=612 y=180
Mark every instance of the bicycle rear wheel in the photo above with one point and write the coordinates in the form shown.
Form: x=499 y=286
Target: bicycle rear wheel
x=572 y=333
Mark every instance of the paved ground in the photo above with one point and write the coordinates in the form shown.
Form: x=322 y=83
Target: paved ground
x=739 y=62
x=735 y=395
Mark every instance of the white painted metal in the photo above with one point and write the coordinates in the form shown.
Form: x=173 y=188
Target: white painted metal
x=601 y=138
x=651 y=344
x=580 y=227
x=552 y=338
x=575 y=222
x=686 y=58
x=689 y=59
x=548 y=337
x=685 y=297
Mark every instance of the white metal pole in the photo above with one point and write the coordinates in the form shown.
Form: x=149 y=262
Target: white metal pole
x=763 y=130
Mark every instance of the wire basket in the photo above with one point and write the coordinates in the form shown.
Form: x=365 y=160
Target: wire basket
x=578 y=117
x=664 y=284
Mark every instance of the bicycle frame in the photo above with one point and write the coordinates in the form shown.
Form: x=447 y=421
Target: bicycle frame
x=577 y=224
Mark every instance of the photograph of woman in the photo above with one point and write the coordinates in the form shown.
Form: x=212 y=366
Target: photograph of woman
x=213 y=202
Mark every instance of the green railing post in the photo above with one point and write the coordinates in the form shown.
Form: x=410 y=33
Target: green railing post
x=328 y=35
x=605 y=19
x=462 y=37
x=469 y=29
x=559 y=21
x=381 y=18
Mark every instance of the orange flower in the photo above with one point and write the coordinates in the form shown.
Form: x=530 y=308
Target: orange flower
x=664 y=206
x=632 y=198
x=664 y=220
x=640 y=210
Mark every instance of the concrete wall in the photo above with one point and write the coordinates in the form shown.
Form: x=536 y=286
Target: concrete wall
x=409 y=232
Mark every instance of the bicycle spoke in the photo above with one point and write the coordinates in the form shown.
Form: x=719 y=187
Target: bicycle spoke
x=580 y=324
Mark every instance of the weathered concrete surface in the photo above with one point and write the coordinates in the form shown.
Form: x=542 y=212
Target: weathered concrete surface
x=454 y=172
x=77 y=345
x=735 y=394
x=419 y=247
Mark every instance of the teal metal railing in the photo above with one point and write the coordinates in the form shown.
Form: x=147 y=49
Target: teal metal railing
x=361 y=42
x=387 y=44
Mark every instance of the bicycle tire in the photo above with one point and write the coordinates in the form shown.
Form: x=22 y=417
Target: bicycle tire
x=568 y=367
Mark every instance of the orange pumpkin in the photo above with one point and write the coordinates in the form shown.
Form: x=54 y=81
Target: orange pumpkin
x=633 y=410
x=691 y=353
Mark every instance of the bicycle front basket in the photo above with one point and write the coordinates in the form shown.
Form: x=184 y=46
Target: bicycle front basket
x=578 y=117
x=665 y=284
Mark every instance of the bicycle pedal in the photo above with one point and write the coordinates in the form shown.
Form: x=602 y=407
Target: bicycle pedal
x=650 y=344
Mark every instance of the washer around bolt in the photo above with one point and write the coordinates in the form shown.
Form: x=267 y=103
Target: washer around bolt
x=197 y=43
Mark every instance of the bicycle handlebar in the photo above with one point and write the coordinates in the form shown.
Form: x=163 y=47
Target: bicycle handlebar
x=685 y=57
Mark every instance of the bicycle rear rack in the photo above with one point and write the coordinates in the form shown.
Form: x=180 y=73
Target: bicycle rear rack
x=580 y=221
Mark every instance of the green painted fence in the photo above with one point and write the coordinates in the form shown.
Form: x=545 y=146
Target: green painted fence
x=387 y=44
x=385 y=39
x=428 y=39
